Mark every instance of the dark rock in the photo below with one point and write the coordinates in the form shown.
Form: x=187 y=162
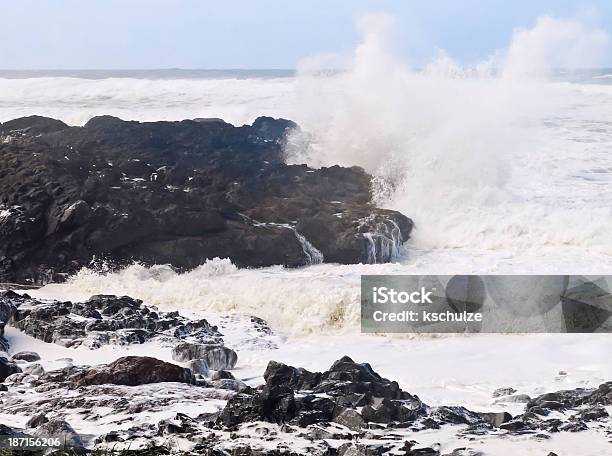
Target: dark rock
x=177 y=193
x=503 y=392
x=7 y=368
x=591 y=414
x=62 y=430
x=221 y=374
x=198 y=366
x=132 y=371
x=108 y=320
x=323 y=397
x=34 y=369
x=351 y=419
x=28 y=356
x=33 y=125
x=37 y=420
x=217 y=357
x=8 y=304
x=496 y=419
x=230 y=384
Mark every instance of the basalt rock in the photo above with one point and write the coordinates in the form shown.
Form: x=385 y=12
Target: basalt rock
x=297 y=396
x=104 y=320
x=7 y=369
x=216 y=357
x=177 y=193
x=132 y=371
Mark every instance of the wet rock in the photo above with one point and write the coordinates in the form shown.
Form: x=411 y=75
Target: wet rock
x=591 y=414
x=221 y=374
x=514 y=398
x=105 y=320
x=198 y=366
x=62 y=430
x=9 y=300
x=503 y=392
x=34 y=369
x=323 y=396
x=37 y=420
x=217 y=357
x=496 y=419
x=177 y=193
x=230 y=384
x=28 y=356
x=7 y=369
x=132 y=371
x=351 y=419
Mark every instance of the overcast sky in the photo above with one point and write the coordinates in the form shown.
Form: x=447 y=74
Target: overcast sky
x=142 y=34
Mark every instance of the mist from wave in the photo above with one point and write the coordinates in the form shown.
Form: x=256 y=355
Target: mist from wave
x=499 y=154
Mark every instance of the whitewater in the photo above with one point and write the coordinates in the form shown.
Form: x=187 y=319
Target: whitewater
x=504 y=166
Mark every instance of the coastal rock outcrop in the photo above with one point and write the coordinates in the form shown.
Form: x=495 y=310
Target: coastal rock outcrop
x=177 y=193
x=106 y=320
x=132 y=371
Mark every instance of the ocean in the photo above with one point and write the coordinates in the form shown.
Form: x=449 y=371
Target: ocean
x=501 y=174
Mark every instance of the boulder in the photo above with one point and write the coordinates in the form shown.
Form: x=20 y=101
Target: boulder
x=28 y=356
x=351 y=419
x=34 y=369
x=62 y=430
x=105 y=320
x=7 y=369
x=217 y=357
x=132 y=371
x=37 y=420
x=198 y=366
x=177 y=193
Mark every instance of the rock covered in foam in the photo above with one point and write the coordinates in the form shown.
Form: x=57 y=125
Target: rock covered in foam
x=177 y=193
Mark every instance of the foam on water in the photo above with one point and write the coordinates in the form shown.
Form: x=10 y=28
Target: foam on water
x=503 y=166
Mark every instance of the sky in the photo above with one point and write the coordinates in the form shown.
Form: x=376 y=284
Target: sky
x=145 y=34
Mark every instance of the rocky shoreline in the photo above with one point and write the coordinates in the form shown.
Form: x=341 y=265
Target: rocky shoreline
x=195 y=404
x=177 y=193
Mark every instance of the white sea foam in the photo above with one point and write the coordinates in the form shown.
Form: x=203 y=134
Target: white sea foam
x=493 y=155
x=502 y=169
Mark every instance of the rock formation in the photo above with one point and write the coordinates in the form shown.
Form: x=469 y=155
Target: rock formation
x=177 y=193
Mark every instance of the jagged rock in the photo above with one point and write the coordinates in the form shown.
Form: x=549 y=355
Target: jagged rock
x=323 y=396
x=221 y=374
x=230 y=384
x=217 y=357
x=591 y=414
x=134 y=370
x=504 y=392
x=34 y=369
x=351 y=419
x=198 y=366
x=62 y=430
x=37 y=420
x=177 y=193
x=7 y=309
x=514 y=398
x=7 y=369
x=103 y=320
x=28 y=356
x=496 y=419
